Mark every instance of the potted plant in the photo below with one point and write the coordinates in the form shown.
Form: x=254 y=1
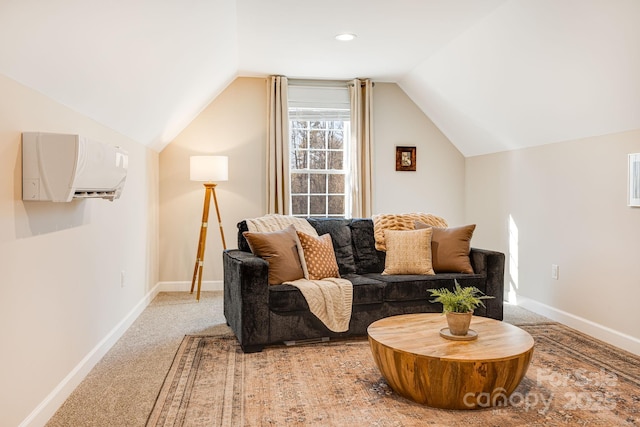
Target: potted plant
x=458 y=305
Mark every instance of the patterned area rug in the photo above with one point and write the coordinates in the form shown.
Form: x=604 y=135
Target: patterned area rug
x=573 y=379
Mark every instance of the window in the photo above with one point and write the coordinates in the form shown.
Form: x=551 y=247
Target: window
x=319 y=130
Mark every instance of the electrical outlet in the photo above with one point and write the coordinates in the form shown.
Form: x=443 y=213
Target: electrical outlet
x=122 y=279
x=554 y=271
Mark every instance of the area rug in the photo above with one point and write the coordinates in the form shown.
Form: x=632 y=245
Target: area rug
x=573 y=379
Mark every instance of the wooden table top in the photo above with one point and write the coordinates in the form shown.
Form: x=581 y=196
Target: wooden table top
x=420 y=334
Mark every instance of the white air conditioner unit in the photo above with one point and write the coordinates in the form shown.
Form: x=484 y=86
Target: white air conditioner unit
x=61 y=167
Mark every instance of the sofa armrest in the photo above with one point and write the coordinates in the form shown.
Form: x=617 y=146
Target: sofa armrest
x=246 y=298
x=491 y=264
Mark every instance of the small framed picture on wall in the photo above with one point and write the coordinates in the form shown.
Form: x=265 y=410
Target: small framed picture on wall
x=405 y=158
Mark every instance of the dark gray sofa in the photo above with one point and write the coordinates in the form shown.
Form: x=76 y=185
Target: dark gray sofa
x=260 y=314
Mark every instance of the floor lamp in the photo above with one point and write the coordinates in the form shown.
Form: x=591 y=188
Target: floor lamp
x=207 y=169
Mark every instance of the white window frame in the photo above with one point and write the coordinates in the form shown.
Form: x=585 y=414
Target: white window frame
x=321 y=101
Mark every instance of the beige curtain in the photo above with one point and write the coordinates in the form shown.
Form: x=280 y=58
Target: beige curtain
x=277 y=147
x=361 y=148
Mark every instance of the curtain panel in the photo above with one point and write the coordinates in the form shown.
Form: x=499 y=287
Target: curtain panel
x=361 y=148
x=277 y=147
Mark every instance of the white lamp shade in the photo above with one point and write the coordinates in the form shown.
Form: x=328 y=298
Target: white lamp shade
x=209 y=168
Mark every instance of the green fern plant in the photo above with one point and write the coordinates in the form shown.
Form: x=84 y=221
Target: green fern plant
x=460 y=300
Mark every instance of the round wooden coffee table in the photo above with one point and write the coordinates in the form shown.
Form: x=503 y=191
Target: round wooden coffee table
x=422 y=366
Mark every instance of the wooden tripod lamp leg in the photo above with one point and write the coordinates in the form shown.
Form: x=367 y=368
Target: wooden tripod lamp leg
x=215 y=201
x=197 y=271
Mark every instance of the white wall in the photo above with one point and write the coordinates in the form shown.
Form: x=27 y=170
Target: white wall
x=60 y=264
x=566 y=204
x=437 y=185
x=234 y=124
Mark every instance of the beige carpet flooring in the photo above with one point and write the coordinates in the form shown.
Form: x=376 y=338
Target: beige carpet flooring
x=122 y=387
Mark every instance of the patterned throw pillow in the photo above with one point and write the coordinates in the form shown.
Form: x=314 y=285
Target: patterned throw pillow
x=319 y=256
x=408 y=252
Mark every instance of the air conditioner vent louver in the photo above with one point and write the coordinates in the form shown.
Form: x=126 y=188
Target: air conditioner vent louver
x=110 y=195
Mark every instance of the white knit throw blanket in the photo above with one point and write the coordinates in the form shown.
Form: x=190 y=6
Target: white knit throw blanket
x=277 y=222
x=329 y=299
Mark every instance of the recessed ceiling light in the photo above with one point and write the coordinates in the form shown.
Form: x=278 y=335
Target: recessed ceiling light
x=345 y=37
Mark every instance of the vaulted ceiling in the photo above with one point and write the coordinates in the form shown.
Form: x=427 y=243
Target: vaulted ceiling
x=493 y=75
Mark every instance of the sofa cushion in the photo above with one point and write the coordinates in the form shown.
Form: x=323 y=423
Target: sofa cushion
x=340 y=232
x=366 y=257
x=408 y=252
x=366 y=290
x=319 y=256
x=414 y=287
x=280 y=250
x=284 y=298
x=242 y=241
x=288 y=298
x=450 y=248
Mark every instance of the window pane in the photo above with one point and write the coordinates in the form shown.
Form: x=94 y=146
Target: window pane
x=318 y=183
x=316 y=125
x=299 y=183
x=298 y=159
x=335 y=160
x=336 y=205
x=299 y=205
x=298 y=138
x=336 y=140
x=317 y=159
x=318 y=205
x=317 y=139
x=336 y=184
x=336 y=125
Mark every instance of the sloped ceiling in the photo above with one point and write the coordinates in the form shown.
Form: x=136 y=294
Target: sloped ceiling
x=535 y=72
x=144 y=68
x=493 y=75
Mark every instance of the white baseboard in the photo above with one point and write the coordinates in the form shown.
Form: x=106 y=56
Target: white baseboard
x=207 y=285
x=45 y=410
x=606 y=334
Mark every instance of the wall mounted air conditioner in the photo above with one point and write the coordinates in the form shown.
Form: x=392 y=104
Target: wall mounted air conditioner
x=61 y=167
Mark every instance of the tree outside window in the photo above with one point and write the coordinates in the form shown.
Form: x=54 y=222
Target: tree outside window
x=317 y=169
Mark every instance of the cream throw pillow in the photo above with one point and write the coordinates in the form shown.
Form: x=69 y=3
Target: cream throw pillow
x=319 y=256
x=408 y=252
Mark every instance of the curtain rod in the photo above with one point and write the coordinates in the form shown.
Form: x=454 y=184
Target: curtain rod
x=373 y=84
x=321 y=83
x=318 y=83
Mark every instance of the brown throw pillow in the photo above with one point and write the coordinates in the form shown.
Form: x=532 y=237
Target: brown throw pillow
x=408 y=252
x=450 y=248
x=319 y=256
x=280 y=250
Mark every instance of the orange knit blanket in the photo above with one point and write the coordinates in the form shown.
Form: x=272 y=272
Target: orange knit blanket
x=383 y=222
